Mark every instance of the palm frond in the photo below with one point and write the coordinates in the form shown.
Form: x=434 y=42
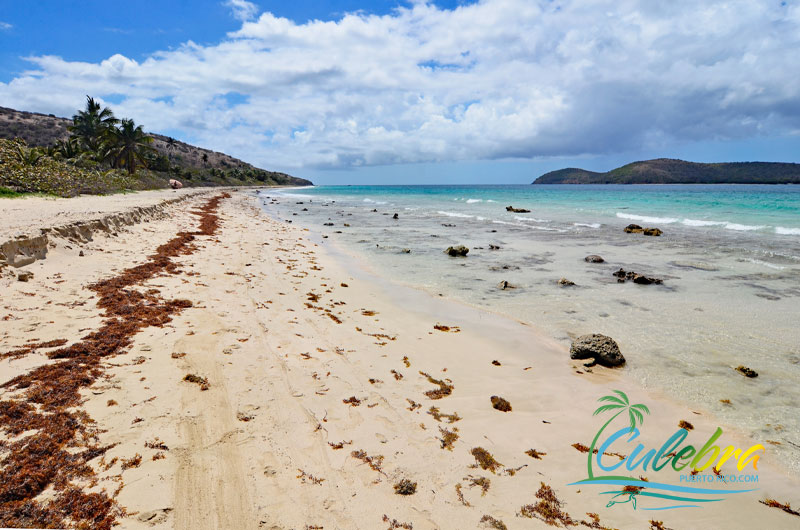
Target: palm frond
x=622 y=394
x=604 y=408
x=632 y=418
x=613 y=399
x=641 y=407
x=637 y=414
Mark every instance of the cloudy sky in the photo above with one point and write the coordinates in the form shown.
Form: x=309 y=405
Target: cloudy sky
x=490 y=91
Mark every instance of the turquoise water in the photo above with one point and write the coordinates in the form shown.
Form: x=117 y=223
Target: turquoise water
x=762 y=209
x=729 y=258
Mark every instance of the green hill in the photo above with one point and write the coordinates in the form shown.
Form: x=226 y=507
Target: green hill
x=670 y=171
x=170 y=159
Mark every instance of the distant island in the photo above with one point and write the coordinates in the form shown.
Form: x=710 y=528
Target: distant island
x=671 y=171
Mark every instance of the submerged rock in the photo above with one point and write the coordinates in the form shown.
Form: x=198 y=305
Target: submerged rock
x=633 y=229
x=563 y=282
x=406 y=251
x=641 y=279
x=494 y=247
x=601 y=348
x=517 y=210
x=593 y=258
x=747 y=372
x=458 y=250
x=395 y=216
x=652 y=232
x=505 y=285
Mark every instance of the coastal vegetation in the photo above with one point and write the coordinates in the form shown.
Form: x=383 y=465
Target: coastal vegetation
x=670 y=171
x=97 y=153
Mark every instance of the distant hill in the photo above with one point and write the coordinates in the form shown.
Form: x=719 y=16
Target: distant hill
x=671 y=171
x=186 y=161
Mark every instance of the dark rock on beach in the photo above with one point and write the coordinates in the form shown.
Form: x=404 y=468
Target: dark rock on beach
x=623 y=275
x=563 y=282
x=601 y=348
x=517 y=210
x=458 y=250
x=395 y=216
x=652 y=232
x=24 y=276
x=505 y=285
x=593 y=258
x=747 y=372
x=633 y=229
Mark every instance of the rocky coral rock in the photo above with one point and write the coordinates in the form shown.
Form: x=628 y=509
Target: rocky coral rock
x=601 y=348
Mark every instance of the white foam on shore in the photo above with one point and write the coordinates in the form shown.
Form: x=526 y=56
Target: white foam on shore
x=374 y=201
x=588 y=225
x=453 y=214
x=697 y=222
x=473 y=201
x=743 y=228
x=787 y=231
x=535 y=220
x=647 y=219
x=765 y=264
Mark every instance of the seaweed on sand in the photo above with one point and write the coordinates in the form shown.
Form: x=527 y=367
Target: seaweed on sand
x=485 y=460
x=56 y=457
x=444 y=390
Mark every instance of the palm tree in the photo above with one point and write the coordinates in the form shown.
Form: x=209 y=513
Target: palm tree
x=127 y=144
x=170 y=143
x=27 y=157
x=90 y=125
x=621 y=403
x=68 y=148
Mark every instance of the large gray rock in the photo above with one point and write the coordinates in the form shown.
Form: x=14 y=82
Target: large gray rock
x=602 y=349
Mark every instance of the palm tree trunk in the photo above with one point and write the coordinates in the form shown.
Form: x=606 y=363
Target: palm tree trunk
x=594 y=442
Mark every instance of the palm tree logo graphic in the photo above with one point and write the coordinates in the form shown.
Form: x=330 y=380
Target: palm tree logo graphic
x=621 y=404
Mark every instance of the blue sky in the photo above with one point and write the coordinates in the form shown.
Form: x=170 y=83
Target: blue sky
x=497 y=91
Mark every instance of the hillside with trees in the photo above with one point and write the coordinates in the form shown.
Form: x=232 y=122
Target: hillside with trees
x=96 y=152
x=670 y=171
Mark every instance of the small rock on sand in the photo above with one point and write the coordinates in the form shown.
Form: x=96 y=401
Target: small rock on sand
x=458 y=250
x=652 y=231
x=594 y=258
x=563 y=282
x=601 y=348
x=505 y=285
x=24 y=276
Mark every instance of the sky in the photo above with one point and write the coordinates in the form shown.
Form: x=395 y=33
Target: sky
x=490 y=91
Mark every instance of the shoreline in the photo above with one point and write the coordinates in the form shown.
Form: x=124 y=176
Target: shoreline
x=258 y=448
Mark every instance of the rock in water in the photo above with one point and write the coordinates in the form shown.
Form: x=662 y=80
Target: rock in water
x=652 y=231
x=604 y=350
x=505 y=285
x=458 y=250
x=517 y=210
x=406 y=251
x=563 y=282
x=593 y=258
x=747 y=372
x=633 y=229
x=395 y=216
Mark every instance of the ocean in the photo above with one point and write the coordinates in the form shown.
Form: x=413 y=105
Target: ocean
x=729 y=259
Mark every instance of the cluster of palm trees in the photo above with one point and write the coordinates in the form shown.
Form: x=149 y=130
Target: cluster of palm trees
x=99 y=136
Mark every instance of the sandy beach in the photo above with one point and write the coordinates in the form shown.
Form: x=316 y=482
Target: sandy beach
x=265 y=382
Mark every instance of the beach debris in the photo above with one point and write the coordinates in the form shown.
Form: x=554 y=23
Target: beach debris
x=397 y=375
x=395 y=216
x=133 y=461
x=496 y=363
x=24 y=276
x=242 y=416
x=772 y=503
x=374 y=462
x=547 y=509
x=307 y=477
x=601 y=348
x=517 y=210
x=503 y=285
x=444 y=390
x=563 y=282
x=394 y=524
x=406 y=361
x=81 y=254
x=448 y=225
x=458 y=250
x=340 y=445
x=683 y=424
x=202 y=381
x=652 y=231
x=481 y=482
x=633 y=229
x=460 y=495
x=622 y=275
x=500 y=404
x=406 y=251
x=405 y=487
x=725 y=401
x=485 y=460
x=352 y=401
x=442 y=327
x=594 y=258
x=747 y=372
x=437 y=415
x=491 y=522
x=533 y=453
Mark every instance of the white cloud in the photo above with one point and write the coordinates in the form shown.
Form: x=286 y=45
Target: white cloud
x=242 y=9
x=491 y=80
x=5 y=25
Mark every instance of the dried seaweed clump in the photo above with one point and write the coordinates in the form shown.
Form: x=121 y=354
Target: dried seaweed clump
x=374 y=462
x=33 y=346
x=133 y=461
x=202 y=381
x=340 y=445
x=309 y=478
x=533 y=453
x=352 y=401
x=500 y=404
x=481 y=482
x=747 y=372
x=547 y=508
x=448 y=438
x=485 y=459
x=444 y=390
x=772 y=503
x=491 y=522
x=405 y=487
x=437 y=415
x=685 y=425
